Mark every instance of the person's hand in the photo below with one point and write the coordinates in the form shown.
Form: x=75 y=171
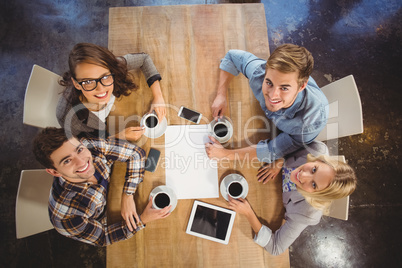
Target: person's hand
x=131 y=133
x=214 y=149
x=158 y=105
x=219 y=106
x=241 y=206
x=269 y=171
x=129 y=212
x=151 y=214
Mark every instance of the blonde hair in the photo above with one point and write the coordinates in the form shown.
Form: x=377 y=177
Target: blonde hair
x=342 y=185
x=289 y=58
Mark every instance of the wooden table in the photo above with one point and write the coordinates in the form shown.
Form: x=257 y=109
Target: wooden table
x=186 y=44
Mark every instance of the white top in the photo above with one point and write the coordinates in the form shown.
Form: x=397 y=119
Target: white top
x=102 y=114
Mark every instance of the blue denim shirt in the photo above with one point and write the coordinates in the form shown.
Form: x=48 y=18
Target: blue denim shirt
x=300 y=123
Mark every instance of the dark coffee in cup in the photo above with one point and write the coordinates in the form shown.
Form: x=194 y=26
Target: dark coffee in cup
x=220 y=130
x=162 y=200
x=151 y=121
x=235 y=189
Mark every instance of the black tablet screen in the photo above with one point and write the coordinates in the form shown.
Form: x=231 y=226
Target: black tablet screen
x=211 y=222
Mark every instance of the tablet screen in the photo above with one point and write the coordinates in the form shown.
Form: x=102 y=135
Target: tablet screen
x=211 y=222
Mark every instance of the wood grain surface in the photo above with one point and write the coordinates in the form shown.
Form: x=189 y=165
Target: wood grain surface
x=186 y=44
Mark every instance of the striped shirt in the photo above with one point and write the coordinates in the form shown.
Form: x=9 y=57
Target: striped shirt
x=78 y=210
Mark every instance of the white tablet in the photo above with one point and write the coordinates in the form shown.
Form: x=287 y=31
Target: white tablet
x=211 y=222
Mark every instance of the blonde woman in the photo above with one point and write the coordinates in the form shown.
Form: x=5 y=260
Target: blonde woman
x=308 y=191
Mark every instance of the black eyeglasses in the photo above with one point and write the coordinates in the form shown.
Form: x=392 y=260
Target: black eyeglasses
x=89 y=85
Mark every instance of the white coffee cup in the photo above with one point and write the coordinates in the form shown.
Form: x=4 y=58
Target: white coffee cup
x=161 y=200
x=163 y=196
x=234 y=186
x=221 y=129
x=235 y=189
x=150 y=120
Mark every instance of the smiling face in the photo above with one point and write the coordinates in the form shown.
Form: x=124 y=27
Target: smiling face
x=73 y=162
x=86 y=71
x=280 y=89
x=313 y=176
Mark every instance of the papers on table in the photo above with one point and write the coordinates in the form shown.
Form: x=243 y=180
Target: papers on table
x=189 y=171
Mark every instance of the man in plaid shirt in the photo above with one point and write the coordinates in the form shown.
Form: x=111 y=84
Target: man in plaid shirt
x=81 y=170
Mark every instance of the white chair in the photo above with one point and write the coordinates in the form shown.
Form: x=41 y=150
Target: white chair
x=41 y=98
x=340 y=208
x=345 y=110
x=31 y=210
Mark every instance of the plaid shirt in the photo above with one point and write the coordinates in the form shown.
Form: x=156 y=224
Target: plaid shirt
x=78 y=210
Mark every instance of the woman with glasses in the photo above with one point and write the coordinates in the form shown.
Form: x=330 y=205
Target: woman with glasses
x=95 y=79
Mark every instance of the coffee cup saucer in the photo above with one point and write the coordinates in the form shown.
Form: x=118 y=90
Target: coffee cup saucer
x=157 y=131
x=230 y=178
x=225 y=120
x=169 y=191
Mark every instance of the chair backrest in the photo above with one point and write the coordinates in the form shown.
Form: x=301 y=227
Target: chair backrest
x=340 y=208
x=345 y=110
x=41 y=98
x=31 y=210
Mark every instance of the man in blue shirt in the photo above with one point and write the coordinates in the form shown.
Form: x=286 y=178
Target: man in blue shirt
x=287 y=95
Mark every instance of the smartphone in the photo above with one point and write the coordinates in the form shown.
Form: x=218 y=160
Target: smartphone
x=152 y=160
x=190 y=115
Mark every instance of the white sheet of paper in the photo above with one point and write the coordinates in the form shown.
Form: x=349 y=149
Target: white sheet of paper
x=189 y=171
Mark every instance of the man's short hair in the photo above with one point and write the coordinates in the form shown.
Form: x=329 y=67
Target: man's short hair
x=289 y=58
x=46 y=142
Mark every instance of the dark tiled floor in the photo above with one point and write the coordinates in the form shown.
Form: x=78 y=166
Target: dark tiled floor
x=359 y=37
